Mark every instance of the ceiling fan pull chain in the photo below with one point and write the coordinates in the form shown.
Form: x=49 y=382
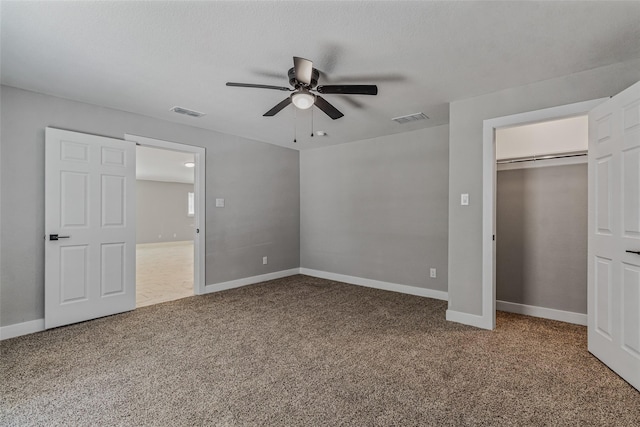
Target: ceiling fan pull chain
x=295 y=126
x=311 y=122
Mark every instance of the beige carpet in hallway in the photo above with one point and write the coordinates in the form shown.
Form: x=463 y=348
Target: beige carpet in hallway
x=164 y=272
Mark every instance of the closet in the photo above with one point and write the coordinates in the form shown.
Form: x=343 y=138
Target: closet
x=541 y=218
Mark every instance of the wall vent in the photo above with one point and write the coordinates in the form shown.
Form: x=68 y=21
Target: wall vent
x=187 y=112
x=410 y=118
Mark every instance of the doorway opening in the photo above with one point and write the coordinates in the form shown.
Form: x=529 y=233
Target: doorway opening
x=169 y=220
x=541 y=219
x=165 y=229
x=488 y=318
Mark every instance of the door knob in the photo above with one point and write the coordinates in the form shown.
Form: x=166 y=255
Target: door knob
x=56 y=237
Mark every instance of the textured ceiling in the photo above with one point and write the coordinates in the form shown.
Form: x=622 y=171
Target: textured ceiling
x=147 y=57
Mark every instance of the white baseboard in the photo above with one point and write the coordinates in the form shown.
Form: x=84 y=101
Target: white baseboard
x=545 y=313
x=217 y=287
x=470 y=319
x=19 y=329
x=370 y=283
x=25 y=328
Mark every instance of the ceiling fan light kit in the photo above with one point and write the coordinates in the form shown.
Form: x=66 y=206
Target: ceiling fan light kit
x=303 y=99
x=304 y=78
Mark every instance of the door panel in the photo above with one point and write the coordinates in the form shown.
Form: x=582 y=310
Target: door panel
x=114 y=202
x=614 y=234
x=90 y=206
x=603 y=195
x=74 y=151
x=113 y=157
x=113 y=266
x=630 y=313
x=631 y=187
x=604 y=128
x=73 y=273
x=603 y=297
x=74 y=188
x=632 y=116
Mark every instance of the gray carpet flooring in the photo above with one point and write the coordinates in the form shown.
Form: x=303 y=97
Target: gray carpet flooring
x=308 y=352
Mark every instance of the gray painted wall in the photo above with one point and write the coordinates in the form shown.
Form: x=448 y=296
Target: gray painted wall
x=541 y=237
x=377 y=209
x=465 y=161
x=259 y=181
x=161 y=212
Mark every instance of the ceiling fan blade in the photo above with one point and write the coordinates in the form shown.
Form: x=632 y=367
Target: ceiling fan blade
x=349 y=89
x=287 y=89
x=303 y=69
x=327 y=108
x=275 y=110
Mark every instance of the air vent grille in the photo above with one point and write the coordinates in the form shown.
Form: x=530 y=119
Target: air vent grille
x=410 y=118
x=187 y=112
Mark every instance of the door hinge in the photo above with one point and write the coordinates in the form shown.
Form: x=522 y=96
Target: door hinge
x=197 y=230
x=494 y=237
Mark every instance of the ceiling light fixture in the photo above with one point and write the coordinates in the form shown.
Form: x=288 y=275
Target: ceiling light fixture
x=190 y=164
x=303 y=99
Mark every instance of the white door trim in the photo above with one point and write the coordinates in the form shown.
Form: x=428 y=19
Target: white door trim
x=489 y=190
x=199 y=154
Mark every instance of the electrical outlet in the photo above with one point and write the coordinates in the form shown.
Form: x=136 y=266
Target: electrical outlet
x=464 y=199
x=432 y=273
x=264 y=260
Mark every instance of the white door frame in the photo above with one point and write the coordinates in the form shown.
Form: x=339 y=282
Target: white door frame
x=488 y=318
x=199 y=154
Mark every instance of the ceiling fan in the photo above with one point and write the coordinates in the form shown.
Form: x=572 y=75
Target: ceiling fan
x=304 y=79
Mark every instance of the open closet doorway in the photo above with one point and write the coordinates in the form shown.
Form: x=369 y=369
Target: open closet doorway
x=541 y=219
x=489 y=177
x=169 y=220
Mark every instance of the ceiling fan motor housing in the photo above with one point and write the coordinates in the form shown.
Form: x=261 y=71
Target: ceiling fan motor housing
x=315 y=74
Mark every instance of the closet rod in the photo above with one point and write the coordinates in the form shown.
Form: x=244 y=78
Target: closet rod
x=548 y=157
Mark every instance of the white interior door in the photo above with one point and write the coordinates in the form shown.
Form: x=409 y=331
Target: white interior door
x=614 y=234
x=90 y=240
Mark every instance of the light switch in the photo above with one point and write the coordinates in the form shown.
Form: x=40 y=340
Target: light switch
x=464 y=199
x=219 y=203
